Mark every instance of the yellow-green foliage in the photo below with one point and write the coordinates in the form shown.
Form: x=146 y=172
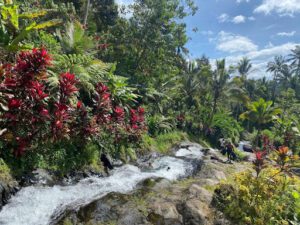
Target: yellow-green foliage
x=5 y=174
x=163 y=142
x=269 y=199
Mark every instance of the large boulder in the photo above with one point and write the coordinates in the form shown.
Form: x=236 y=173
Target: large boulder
x=196 y=212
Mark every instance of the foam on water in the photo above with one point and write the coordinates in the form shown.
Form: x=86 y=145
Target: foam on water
x=37 y=205
x=191 y=152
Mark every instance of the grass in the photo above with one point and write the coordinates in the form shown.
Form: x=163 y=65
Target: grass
x=164 y=142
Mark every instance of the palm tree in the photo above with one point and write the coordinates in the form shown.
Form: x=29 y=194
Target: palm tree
x=244 y=66
x=220 y=78
x=260 y=113
x=74 y=40
x=295 y=60
x=286 y=76
x=276 y=67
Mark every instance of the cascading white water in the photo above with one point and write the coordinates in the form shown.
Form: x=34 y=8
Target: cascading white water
x=36 y=205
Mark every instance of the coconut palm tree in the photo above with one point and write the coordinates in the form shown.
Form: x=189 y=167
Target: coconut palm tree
x=260 y=113
x=295 y=60
x=244 y=66
x=220 y=78
x=276 y=67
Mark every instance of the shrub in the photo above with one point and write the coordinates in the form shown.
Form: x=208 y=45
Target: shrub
x=271 y=196
x=265 y=200
x=56 y=128
x=224 y=126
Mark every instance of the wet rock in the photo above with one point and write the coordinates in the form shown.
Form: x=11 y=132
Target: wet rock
x=167 y=211
x=200 y=193
x=187 y=144
x=145 y=162
x=38 y=177
x=7 y=189
x=195 y=212
x=117 y=163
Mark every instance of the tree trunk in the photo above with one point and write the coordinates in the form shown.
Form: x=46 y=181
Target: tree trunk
x=88 y=3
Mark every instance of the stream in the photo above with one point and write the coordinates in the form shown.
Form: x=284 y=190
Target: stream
x=41 y=205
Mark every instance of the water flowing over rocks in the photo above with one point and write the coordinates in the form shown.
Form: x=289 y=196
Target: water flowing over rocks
x=174 y=189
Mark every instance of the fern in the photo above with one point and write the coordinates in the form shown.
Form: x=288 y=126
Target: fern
x=87 y=69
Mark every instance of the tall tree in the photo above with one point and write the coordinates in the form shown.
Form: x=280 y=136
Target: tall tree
x=244 y=67
x=295 y=60
x=220 y=78
x=276 y=67
x=260 y=113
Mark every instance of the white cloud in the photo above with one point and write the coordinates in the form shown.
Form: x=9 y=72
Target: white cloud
x=239 y=19
x=282 y=7
x=269 y=45
x=223 y=18
x=232 y=43
x=286 y=34
x=260 y=58
x=239 y=1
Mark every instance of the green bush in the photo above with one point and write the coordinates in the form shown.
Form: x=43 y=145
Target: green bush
x=268 y=199
x=225 y=126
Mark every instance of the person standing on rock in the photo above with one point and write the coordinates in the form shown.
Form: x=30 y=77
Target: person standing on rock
x=230 y=151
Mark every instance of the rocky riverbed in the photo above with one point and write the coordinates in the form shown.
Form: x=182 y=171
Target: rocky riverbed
x=161 y=201
x=157 y=189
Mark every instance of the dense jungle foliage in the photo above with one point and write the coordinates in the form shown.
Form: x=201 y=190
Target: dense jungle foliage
x=82 y=77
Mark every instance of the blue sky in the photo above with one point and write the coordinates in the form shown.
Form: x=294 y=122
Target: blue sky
x=231 y=29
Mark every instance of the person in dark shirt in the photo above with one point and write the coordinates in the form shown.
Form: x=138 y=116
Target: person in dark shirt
x=230 y=152
x=106 y=163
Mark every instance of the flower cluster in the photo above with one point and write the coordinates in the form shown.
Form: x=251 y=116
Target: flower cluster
x=32 y=116
x=23 y=88
x=137 y=118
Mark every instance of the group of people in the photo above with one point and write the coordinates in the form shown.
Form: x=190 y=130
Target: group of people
x=227 y=148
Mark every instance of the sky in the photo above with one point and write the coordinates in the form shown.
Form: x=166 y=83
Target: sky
x=232 y=29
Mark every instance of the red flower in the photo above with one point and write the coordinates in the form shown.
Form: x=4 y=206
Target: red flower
x=133 y=117
x=14 y=103
x=10 y=82
x=58 y=124
x=119 y=113
x=36 y=60
x=37 y=91
x=101 y=88
x=44 y=112
x=259 y=155
x=79 y=105
x=67 y=84
x=141 y=110
x=135 y=127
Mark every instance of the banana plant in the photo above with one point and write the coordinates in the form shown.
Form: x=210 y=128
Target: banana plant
x=11 y=33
